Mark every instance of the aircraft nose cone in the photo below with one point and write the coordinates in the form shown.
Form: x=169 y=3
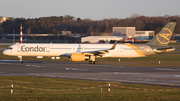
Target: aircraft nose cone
x=4 y=52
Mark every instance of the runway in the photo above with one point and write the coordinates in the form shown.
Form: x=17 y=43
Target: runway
x=76 y=70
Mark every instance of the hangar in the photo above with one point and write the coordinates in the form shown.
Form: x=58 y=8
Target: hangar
x=129 y=32
x=177 y=37
x=121 y=33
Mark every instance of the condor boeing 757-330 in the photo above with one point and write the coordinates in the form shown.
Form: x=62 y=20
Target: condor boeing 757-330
x=82 y=52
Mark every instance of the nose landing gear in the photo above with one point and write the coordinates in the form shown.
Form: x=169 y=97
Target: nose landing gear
x=20 y=59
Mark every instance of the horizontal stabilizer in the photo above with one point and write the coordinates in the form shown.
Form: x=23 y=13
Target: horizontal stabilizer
x=165 y=48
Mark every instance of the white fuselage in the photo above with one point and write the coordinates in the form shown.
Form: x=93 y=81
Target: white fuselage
x=121 y=50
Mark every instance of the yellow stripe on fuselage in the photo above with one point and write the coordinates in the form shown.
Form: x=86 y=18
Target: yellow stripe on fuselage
x=135 y=49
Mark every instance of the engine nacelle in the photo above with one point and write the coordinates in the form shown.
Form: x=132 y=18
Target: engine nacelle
x=77 y=57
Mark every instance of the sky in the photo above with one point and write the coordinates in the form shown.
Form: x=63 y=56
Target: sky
x=88 y=9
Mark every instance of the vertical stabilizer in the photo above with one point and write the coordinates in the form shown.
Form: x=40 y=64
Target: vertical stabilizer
x=164 y=36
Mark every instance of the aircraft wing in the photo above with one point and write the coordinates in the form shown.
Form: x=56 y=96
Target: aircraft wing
x=100 y=52
x=95 y=53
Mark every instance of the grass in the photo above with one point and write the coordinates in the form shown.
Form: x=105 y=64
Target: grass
x=165 y=59
x=177 y=45
x=54 y=89
x=4 y=46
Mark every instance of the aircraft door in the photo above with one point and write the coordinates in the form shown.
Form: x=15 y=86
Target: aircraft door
x=147 y=49
x=121 y=49
x=47 y=48
x=18 y=48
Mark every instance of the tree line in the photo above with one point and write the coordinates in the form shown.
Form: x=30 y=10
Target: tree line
x=56 y=24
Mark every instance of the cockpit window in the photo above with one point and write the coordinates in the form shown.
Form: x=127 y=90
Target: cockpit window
x=10 y=48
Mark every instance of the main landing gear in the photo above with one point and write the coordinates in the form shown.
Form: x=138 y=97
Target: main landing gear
x=20 y=59
x=92 y=60
x=21 y=62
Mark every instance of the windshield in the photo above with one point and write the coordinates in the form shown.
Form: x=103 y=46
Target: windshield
x=10 y=48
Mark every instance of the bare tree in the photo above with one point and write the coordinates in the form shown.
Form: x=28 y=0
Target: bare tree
x=28 y=31
x=135 y=15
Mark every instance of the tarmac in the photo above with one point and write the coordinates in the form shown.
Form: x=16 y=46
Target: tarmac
x=101 y=72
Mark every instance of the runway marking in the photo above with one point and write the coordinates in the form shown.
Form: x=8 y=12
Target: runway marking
x=75 y=69
x=8 y=60
x=4 y=63
x=34 y=66
x=177 y=75
x=167 y=69
x=101 y=65
x=126 y=73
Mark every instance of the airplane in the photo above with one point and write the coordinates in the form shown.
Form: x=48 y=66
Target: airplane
x=82 y=52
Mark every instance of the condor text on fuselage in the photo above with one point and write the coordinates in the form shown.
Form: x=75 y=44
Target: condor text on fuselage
x=33 y=49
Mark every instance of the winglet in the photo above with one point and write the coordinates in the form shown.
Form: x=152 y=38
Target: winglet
x=114 y=46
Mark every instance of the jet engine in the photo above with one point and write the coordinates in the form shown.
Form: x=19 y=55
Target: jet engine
x=77 y=57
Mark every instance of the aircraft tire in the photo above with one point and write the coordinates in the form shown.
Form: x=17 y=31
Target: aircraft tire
x=21 y=62
x=90 y=62
x=95 y=62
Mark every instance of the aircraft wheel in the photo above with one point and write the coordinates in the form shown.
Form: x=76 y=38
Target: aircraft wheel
x=21 y=62
x=95 y=62
x=90 y=62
